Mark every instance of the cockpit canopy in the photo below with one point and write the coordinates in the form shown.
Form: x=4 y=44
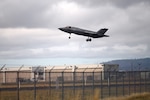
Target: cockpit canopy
x=68 y=27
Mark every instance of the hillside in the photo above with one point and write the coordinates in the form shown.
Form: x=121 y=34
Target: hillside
x=142 y=64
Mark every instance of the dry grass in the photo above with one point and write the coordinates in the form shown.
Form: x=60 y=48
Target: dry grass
x=56 y=94
x=142 y=96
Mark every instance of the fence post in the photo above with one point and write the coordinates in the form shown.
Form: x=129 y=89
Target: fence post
x=116 y=84
x=145 y=81
x=74 y=84
x=0 y=87
x=82 y=85
x=5 y=81
x=49 y=81
x=129 y=81
x=140 y=80
x=17 y=85
x=109 y=82
x=134 y=82
x=93 y=85
x=101 y=86
x=123 y=82
x=34 y=86
x=62 y=88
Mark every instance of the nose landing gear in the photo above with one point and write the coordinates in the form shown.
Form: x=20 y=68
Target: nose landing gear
x=70 y=36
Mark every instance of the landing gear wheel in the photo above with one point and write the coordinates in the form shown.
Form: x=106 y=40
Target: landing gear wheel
x=89 y=39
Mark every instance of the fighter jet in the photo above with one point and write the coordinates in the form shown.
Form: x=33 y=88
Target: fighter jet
x=88 y=33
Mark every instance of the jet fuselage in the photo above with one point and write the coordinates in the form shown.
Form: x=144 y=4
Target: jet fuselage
x=84 y=32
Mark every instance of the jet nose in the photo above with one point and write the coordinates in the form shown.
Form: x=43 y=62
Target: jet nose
x=60 y=28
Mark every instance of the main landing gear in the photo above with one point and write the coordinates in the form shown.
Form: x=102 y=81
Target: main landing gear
x=88 y=40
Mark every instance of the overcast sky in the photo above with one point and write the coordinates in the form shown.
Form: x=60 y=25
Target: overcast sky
x=29 y=31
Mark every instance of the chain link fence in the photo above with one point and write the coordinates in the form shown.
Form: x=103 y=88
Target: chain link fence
x=25 y=85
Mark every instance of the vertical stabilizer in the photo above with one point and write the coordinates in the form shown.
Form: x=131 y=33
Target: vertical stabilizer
x=102 y=31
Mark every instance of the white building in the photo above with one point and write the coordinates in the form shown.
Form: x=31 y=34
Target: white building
x=42 y=73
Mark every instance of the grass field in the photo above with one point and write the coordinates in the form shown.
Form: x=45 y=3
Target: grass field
x=70 y=94
x=142 y=96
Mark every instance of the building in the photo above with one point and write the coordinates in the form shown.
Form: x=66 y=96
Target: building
x=57 y=73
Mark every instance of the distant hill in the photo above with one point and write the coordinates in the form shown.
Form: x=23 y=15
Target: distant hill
x=142 y=64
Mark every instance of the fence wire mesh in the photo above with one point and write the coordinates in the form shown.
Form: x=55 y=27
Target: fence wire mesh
x=23 y=85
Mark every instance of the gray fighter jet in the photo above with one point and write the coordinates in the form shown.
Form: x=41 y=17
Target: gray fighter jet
x=89 y=34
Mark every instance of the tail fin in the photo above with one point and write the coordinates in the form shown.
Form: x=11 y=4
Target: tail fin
x=102 y=31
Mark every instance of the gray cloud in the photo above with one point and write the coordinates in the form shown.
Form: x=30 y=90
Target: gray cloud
x=118 y=3
x=22 y=13
x=28 y=29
